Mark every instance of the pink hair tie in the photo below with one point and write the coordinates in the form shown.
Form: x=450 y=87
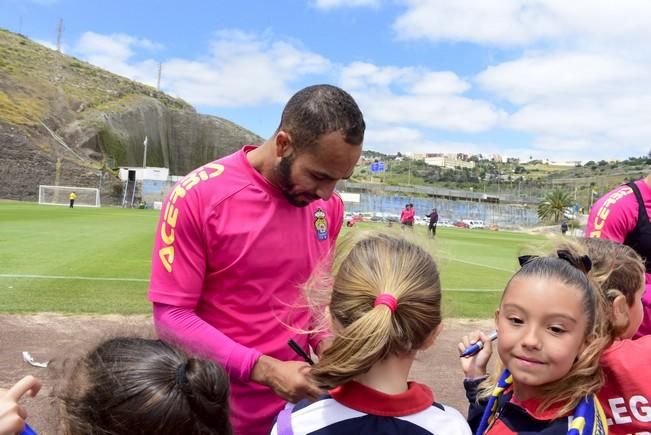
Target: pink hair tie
x=386 y=299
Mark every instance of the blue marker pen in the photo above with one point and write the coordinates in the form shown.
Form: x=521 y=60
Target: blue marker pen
x=476 y=347
x=28 y=430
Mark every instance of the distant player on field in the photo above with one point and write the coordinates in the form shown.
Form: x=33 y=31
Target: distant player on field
x=72 y=198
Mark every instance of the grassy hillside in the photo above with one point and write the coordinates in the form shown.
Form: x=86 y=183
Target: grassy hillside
x=33 y=77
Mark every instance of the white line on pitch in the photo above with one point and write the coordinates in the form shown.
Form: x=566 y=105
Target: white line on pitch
x=477 y=264
x=86 y=278
x=481 y=290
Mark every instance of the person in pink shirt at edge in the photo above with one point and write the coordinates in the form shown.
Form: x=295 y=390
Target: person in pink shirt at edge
x=236 y=239
x=622 y=215
x=407 y=216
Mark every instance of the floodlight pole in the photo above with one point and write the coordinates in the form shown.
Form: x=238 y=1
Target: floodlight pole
x=144 y=157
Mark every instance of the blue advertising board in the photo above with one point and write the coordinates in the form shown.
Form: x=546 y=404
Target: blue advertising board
x=377 y=167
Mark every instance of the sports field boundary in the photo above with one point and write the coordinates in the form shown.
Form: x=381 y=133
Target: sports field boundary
x=72 y=278
x=108 y=278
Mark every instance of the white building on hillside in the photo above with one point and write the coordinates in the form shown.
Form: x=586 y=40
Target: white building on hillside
x=139 y=173
x=446 y=162
x=567 y=163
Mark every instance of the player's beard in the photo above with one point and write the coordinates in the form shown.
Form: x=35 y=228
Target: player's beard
x=284 y=174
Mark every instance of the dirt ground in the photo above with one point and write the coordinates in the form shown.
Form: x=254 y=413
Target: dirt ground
x=57 y=337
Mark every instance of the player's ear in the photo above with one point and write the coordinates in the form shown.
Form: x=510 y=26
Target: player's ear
x=284 y=147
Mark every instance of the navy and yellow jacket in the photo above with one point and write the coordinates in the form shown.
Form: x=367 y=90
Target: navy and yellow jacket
x=513 y=417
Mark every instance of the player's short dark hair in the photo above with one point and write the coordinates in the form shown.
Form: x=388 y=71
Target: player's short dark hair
x=318 y=110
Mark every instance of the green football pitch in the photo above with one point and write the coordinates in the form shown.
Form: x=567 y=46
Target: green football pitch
x=87 y=260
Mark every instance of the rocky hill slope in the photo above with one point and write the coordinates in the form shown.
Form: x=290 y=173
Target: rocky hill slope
x=66 y=122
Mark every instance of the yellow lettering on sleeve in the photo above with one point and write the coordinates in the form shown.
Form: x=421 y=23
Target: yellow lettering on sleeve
x=167 y=239
x=598 y=225
x=173 y=216
x=166 y=255
x=190 y=180
x=603 y=213
x=179 y=192
x=217 y=169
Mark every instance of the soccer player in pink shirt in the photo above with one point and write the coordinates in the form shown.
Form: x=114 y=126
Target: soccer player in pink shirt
x=236 y=239
x=622 y=215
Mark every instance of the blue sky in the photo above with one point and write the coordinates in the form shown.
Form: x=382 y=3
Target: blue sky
x=551 y=79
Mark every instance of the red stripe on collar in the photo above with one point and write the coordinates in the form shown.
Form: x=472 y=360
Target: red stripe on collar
x=418 y=397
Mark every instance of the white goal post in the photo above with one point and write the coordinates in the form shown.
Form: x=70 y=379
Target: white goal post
x=60 y=195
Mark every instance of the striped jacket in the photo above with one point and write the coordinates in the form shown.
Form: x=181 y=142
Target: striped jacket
x=517 y=418
x=354 y=409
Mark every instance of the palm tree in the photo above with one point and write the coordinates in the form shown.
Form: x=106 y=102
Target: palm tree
x=552 y=207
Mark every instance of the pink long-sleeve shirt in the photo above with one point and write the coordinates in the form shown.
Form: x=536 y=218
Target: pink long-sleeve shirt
x=612 y=217
x=229 y=257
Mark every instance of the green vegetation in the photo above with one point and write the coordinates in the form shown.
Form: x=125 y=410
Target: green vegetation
x=54 y=259
x=527 y=181
x=20 y=109
x=114 y=148
x=552 y=207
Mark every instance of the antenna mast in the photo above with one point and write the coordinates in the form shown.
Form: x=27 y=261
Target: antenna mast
x=160 y=69
x=59 y=33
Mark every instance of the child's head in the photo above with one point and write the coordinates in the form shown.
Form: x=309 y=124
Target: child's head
x=546 y=326
x=367 y=330
x=140 y=386
x=619 y=271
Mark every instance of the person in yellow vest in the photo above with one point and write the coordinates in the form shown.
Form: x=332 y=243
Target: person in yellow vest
x=72 y=198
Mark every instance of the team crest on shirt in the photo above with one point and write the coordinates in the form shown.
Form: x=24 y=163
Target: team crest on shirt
x=320 y=224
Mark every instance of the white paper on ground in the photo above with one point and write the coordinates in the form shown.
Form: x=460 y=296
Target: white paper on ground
x=27 y=357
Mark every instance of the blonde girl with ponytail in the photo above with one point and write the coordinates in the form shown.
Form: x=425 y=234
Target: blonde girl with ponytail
x=384 y=307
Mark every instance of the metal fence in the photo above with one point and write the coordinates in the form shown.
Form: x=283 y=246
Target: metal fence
x=504 y=215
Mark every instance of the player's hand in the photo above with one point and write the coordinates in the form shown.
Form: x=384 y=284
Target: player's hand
x=475 y=366
x=289 y=379
x=12 y=415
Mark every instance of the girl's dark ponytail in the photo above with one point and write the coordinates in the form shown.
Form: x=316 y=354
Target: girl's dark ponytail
x=207 y=392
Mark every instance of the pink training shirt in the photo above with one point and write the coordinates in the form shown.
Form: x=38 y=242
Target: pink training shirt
x=231 y=248
x=612 y=217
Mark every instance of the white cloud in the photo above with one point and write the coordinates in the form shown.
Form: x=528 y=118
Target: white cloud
x=118 y=47
x=437 y=83
x=576 y=102
x=532 y=78
x=428 y=111
x=49 y=44
x=486 y=21
x=514 y=22
x=332 y=4
x=363 y=75
x=417 y=97
x=390 y=141
x=615 y=122
x=241 y=69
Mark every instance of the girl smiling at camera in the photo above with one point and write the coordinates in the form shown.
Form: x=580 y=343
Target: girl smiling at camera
x=548 y=344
